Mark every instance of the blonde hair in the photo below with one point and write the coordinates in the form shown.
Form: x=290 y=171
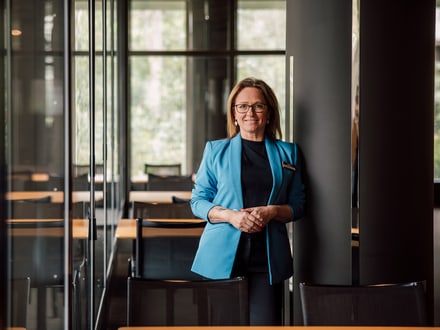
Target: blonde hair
x=273 y=128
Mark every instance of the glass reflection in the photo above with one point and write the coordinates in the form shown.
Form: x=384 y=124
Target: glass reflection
x=355 y=116
x=35 y=200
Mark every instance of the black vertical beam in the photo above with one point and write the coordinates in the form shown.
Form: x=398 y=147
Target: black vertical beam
x=3 y=170
x=319 y=40
x=66 y=36
x=123 y=101
x=396 y=141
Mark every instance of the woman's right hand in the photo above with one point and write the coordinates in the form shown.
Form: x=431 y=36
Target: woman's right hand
x=245 y=222
x=241 y=220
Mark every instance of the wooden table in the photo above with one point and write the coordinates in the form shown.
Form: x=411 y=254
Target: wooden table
x=158 y=196
x=126 y=229
x=80 y=228
x=277 y=328
x=56 y=196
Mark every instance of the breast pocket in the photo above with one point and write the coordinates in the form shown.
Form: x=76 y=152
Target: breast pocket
x=286 y=184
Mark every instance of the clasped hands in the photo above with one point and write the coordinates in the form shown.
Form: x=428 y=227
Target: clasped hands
x=252 y=220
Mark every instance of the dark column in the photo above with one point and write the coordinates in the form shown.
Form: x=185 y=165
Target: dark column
x=319 y=40
x=396 y=141
x=3 y=187
x=123 y=101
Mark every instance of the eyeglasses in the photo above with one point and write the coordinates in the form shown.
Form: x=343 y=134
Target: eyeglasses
x=243 y=107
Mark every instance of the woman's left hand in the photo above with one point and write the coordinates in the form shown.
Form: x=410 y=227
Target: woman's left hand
x=259 y=215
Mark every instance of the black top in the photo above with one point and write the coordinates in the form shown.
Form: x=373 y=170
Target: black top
x=256 y=175
x=256 y=181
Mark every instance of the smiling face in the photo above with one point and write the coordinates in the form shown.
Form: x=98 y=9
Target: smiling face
x=252 y=124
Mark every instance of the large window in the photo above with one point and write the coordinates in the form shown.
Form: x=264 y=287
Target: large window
x=158 y=123
x=184 y=58
x=261 y=25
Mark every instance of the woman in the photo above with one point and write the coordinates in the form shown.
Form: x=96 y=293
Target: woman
x=247 y=187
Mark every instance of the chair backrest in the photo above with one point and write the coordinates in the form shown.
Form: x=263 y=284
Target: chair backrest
x=52 y=183
x=163 y=169
x=81 y=210
x=36 y=209
x=80 y=301
x=80 y=169
x=187 y=303
x=166 y=250
x=162 y=210
x=37 y=251
x=400 y=304
x=20 y=296
x=170 y=182
x=81 y=182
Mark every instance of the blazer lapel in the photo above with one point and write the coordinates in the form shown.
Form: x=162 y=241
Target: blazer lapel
x=235 y=161
x=275 y=165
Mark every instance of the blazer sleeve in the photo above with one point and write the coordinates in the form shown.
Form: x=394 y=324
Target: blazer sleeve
x=205 y=187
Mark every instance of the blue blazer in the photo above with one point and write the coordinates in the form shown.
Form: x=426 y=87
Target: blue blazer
x=218 y=182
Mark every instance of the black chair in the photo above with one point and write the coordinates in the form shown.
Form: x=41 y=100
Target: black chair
x=370 y=305
x=81 y=182
x=20 y=299
x=37 y=252
x=163 y=169
x=81 y=210
x=187 y=303
x=166 y=250
x=169 y=183
x=81 y=169
x=40 y=208
x=80 y=297
x=53 y=183
x=161 y=210
x=176 y=199
x=18 y=180
x=138 y=186
x=45 y=199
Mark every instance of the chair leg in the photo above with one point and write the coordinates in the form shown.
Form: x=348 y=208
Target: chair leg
x=41 y=308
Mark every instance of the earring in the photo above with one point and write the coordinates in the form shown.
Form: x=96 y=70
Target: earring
x=236 y=122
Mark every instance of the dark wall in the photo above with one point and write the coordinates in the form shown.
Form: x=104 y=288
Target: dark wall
x=395 y=141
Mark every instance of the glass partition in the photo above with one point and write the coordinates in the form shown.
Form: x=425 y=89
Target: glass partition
x=63 y=175
x=61 y=204
x=95 y=163
x=36 y=178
